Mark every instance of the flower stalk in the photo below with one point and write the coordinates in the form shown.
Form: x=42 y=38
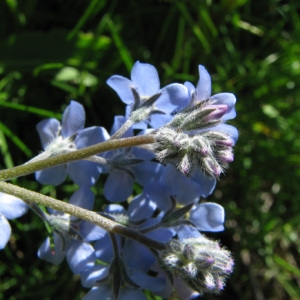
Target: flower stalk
x=81 y=213
x=31 y=167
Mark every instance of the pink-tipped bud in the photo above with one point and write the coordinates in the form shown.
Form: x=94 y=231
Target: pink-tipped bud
x=185 y=165
x=228 y=142
x=225 y=156
x=218 y=112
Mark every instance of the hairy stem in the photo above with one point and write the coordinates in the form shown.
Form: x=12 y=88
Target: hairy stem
x=31 y=167
x=81 y=213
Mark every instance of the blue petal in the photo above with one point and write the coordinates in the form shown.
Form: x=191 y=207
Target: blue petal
x=80 y=255
x=83 y=197
x=208 y=217
x=142 y=258
x=145 y=281
x=229 y=100
x=140 y=208
x=165 y=293
x=12 y=207
x=115 y=209
x=204 y=84
x=55 y=257
x=158 y=193
x=73 y=119
x=54 y=176
x=91 y=232
x=83 y=172
x=123 y=181
x=206 y=183
x=141 y=153
x=99 y=292
x=145 y=79
x=104 y=250
x=186 y=232
x=161 y=234
x=152 y=222
x=157 y=120
x=146 y=172
x=122 y=86
x=91 y=136
x=5 y=231
x=91 y=276
x=184 y=291
x=129 y=293
x=231 y=130
x=190 y=87
x=47 y=130
x=176 y=97
x=187 y=190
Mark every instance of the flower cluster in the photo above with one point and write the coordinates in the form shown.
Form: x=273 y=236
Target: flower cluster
x=154 y=190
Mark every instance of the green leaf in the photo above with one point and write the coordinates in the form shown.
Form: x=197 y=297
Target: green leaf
x=284 y=264
x=4 y=148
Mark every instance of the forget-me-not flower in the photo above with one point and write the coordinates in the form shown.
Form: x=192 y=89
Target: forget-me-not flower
x=133 y=270
x=126 y=166
x=145 y=86
x=196 y=140
x=71 y=235
x=69 y=135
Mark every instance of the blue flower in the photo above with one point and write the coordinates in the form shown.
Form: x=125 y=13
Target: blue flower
x=10 y=208
x=222 y=106
x=72 y=236
x=202 y=93
x=126 y=166
x=196 y=140
x=203 y=217
x=145 y=85
x=133 y=270
x=59 y=138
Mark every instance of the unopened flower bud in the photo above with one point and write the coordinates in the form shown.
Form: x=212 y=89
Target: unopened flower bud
x=200 y=262
x=201 y=145
x=185 y=165
x=217 y=113
x=189 y=252
x=209 y=151
x=181 y=141
x=225 y=156
x=227 y=142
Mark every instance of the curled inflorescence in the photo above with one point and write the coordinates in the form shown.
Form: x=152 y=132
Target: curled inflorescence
x=199 y=262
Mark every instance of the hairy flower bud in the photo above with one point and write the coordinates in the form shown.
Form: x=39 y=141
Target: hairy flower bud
x=202 y=115
x=217 y=113
x=210 y=151
x=200 y=262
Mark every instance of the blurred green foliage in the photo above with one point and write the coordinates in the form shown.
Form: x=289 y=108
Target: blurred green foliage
x=55 y=51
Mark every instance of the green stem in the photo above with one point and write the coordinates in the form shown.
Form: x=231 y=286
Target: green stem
x=34 y=166
x=81 y=213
